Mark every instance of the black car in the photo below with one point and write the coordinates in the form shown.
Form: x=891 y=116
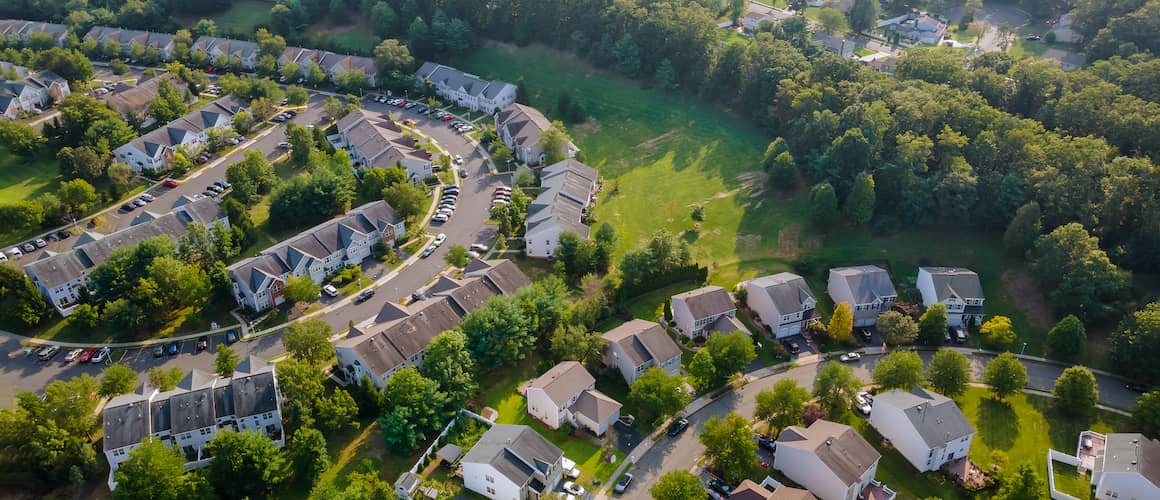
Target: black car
x=866 y=334
x=719 y=486
x=63 y=234
x=1134 y=387
x=364 y=296
x=791 y=346
x=678 y=426
x=202 y=344
x=766 y=442
x=128 y=207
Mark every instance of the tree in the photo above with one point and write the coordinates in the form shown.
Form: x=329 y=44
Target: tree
x=657 y=395
x=782 y=171
x=897 y=328
x=1076 y=392
x=835 y=386
x=21 y=302
x=932 y=325
x=554 y=143
x=1021 y=484
x=1067 y=338
x=295 y=95
x=307 y=452
x=577 y=343
x=498 y=332
x=406 y=198
x=154 y=470
x=626 y=54
x=225 y=361
x=833 y=21
x=456 y=256
x=823 y=205
x=76 y=196
x=337 y=412
x=702 y=373
x=119 y=175
x=252 y=177
x=949 y=373
x=997 y=332
x=841 y=326
x=1146 y=414
x=1005 y=374
x=781 y=406
x=309 y=340
x=449 y=363
x=165 y=379
x=301 y=381
x=390 y=55
x=665 y=76
x=899 y=370
x=859 y=207
x=1078 y=274
x=243 y=121
x=729 y=446
x=169 y=104
x=1136 y=343
x=862 y=15
x=117 y=380
x=731 y=353
x=416 y=408
x=677 y=485
x=20 y=138
x=245 y=464
x=301 y=289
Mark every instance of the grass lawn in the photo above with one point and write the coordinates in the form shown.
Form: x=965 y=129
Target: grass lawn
x=1024 y=48
x=243 y=17
x=25 y=179
x=347 y=38
x=185 y=321
x=1070 y=481
x=897 y=473
x=651 y=305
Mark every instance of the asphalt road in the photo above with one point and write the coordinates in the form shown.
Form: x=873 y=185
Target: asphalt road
x=683 y=452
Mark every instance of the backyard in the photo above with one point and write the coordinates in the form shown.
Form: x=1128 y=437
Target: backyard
x=242 y=18
x=24 y=179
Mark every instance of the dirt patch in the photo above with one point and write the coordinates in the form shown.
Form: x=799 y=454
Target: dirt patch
x=590 y=126
x=722 y=194
x=787 y=240
x=748 y=242
x=656 y=141
x=754 y=183
x=1029 y=299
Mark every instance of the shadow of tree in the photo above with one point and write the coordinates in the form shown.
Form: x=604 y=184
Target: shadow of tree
x=998 y=425
x=1064 y=428
x=691 y=236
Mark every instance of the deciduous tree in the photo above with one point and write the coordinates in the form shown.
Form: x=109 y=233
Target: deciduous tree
x=155 y=470
x=1005 y=374
x=677 y=485
x=309 y=340
x=225 y=361
x=449 y=363
x=245 y=465
x=729 y=446
x=657 y=395
x=841 y=326
x=932 y=325
x=1146 y=414
x=1021 y=484
x=116 y=380
x=165 y=379
x=897 y=328
x=899 y=370
x=1075 y=391
x=308 y=455
x=577 y=343
x=498 y=332
x=1067 y=338
x=997 y=333
x=1078 y=274
x=835 y=386
x=782 y=405
x=949 y=373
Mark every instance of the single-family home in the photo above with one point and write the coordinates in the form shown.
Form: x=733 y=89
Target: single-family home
x=512 y=462
x=955 y=287
x=154 y=150
x=749 y=490
x=917 y=27
x=697 y=313
x=639 y=345
x=927 y=428
x=192 y=414
x=377 y=142
x=20 y=31
x=133 y=102
x=398 y=335
x=1124 y=466
x=162 y=43
x=567 y=190
x=867 y=289
x=784 y=303
x=520 y=126
x=29 y=92
x=753 y=20
x=831 y=460
x=61 y=276
x=467 y=90
x=317 y=252
x=567 y=394
x=237 y=52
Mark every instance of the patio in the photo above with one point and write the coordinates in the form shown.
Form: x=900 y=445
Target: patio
x=967 y=474
x=1091 y=445
x=876 y=491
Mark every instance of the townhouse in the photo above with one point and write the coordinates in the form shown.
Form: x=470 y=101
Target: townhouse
x=638 y=345
x=133 y=101
x=567 y=394
x=697 y=313
x=567 y=190
x=162 y=43
x=783 y=302
x=258 y=282
x=20 y=31
x=957 y=288
x=467 y=90
x=520 y=126
x=867 y=289
x=512 y=462
x=1122 y=465
x=30 y=92
x=60 y=277
x=154 y=150
x=238 y=52
x=191 y=415
x=331 y=63
x=376 y=142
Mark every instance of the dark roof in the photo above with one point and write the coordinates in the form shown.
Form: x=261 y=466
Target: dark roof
x=450 y=452
x=385 y=346
x=470 y=295
x=955 y=282
x=838 y=446
x=936 y=418
x=643 y=340
x=516 y=451
x=787 y=291
x=866 y=283
x=458 y=80
x=254 y=394
x=1133 y=453
x=192 y=410
x=707 y=301
x=506 y=276
x=126 y=420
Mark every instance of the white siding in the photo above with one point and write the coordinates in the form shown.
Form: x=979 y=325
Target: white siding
x=543 y=408
x=485 y=480
x=806 y=469
x=1125 y=486
x=543 y=243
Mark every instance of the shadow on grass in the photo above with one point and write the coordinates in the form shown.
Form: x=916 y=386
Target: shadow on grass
x=1065 y=428
x=998 y=424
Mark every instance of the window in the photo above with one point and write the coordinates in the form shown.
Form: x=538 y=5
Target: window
x=490 y=490
x=489 y=479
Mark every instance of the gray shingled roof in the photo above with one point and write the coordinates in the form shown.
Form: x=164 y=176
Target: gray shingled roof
x=787 y=291
x=643 y=340
x=1133 y=453
x=126 y=420
x=516 y=451
x=458 y=80
x=867 y=283
x=838 y=446
x=955 y=282
x=707 y=301
x=595 y=405
x=385 y=346
x=936 y=418
x=506 y=276
x=563 y=382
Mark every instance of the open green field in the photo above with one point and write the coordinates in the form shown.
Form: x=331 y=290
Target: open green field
x=26 y=178
x=243 y=17
x=351 y=38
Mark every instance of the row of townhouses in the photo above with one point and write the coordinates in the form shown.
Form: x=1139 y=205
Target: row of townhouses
x=133 y=101
x=19 y=31
x=259 y=282
x=519 y=127
x=60 y=277
x=154 y=150
x=331 y=63
x=398 y=335
x=29 y=92
x=467 y=90
x=128 y=39
x=191 y=415
x=567 y=190
x=374 y=141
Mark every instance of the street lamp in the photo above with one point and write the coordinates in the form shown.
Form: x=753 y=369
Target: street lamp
x=1023 y=349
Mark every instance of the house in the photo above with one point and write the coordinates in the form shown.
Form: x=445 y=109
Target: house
x=917 y=27
x=512 y=462
x=317 y=252
x=60 y=277
x=639 y=345
x=300 y=56
x=927 y=428
x=784 y=303
x=337 y=64
x=867 y=289
x=467 y=90
x=831 y=460
x=376 y=142
x=1122 y=465
x=567 y=394
x=567 y=190
x=154 y=150
x=880 y=62
x=237 y=52
x=749 y=490
x=133 y=101
x=29 y=92
x=835 y=44
x=957 y=288
x=19 y=31
x=697 y=313
x=191 y=415
x=398 y=335
x=160 y=42
x=520 y=126
x=1068 y=61
x=753 y=20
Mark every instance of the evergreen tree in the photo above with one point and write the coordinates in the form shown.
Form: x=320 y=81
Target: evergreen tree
x=859 y=206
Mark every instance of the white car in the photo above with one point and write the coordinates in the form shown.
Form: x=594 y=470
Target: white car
x=862 y=404
x=73 y=355
x=15 y=253
x=440 y=238
x=330 y=290
x=850 y=357
x=3 y=257
x=570 y=468
x=574 y=488
x=100 y=356
x=478 y=247
x=458 y=160
x=441 y=218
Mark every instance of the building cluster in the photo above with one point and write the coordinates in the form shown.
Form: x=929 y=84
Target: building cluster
x=567 y=394
x=61 y=277
x=397 y=337
x=191 y=133
x=18 y=31
x=192 y=414
x=520 y=127
x=23 y=92
x=567 y=191
x=378 y=142
x=133 y=102
x=916 y=27
x=259 y=282
x=467 y=90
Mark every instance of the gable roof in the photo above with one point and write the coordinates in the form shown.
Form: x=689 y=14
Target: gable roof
x=380 y=141
x=595 y=405
x=935 y=417
x=643 y=341
x=383 y=347
x=838 y=446
x=707 y=301
x=136 y=99
x=516 y=451
x=503 y=274
x=867 y=283
x=524 y=124
x=183 y=130
x=460 y=81
x=787 y=291
x=954 y=282
x=563 y=382
x=1133 y=453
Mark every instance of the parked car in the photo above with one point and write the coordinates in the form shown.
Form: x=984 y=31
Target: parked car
x=139 y=203
x=86 y=355
x=441 y=218
x=15 y=253
x=158 y=351
x=478 y=247
x=128 y=207
x=231 y=337
x=215 y=188
x=766 y=442
x=63 y=234
x=147 y=197
x=862 y=404
x=428 y=251
x=622 y=483
x=28 y=247
x=447 y=118
x=73 y=355
x=3 y=257
x=364 y=296
x=40 y=243
x=170 y=183
x=960 y=335
x=101 y=355
x=173 y=348
x=866 y=334
x=458 y=160
x=721 y=487
x=791 y=346
x=330 y=290
x=440 y=238
x=202 y=344
x=574 y=488
x=48 y=353
x=1135 y=387
x=678 y=426
x=850 y=357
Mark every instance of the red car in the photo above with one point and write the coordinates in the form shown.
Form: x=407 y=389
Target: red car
x=170 y=183
x=86 y=356
x=447 y=118
x=408 y=122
